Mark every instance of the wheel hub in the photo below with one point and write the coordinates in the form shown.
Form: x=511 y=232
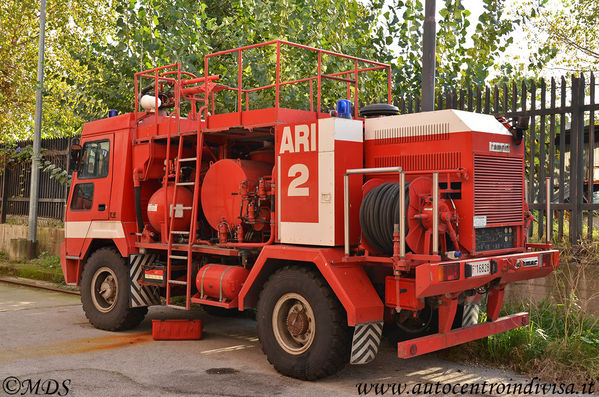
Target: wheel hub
x=297 y=321
x=293 y=323
x=104 y=289
x=107 y=289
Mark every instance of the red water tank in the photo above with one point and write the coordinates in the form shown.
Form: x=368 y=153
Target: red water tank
x=181 y=210
x=265 y=155
x=221 y=281
x=220 y=188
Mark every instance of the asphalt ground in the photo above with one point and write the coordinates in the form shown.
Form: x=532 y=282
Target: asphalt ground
x=45 y=336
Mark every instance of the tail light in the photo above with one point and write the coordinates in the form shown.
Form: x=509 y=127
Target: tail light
x=547 y=259
x=449 y=272
x=154 y=275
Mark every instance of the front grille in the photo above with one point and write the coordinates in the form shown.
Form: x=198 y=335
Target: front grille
x=498 y=188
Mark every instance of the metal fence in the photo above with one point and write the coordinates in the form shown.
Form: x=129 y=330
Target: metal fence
x=16 y=179
x=562 y=144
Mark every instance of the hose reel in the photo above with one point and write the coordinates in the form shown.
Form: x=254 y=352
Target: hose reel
x=379 y=212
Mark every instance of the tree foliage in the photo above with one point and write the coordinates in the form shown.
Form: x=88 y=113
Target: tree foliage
x=66 y=99
x=158 y=32
x=461 y=59
x=569 y=30
x=94 y=48
x=17 y=69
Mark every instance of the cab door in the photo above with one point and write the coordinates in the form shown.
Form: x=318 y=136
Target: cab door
x=89 y=198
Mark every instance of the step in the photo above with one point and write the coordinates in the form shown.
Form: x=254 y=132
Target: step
x=178 y=307
x=179 y=248
x=177 y=282
x=176 y=329
x=177 y=257
x=188 y=159
x=185 y=183
x=179 y=232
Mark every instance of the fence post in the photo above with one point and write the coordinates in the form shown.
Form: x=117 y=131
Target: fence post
x=576 y=158
x=4 y=196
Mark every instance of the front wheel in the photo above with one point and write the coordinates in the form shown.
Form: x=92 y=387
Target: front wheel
x=301 y=325
x=105 y=292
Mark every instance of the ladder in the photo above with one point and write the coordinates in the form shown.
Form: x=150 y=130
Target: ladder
x=183 y=253
x=186 y=252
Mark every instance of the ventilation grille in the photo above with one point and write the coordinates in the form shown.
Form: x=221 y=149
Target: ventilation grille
x=413 y=133
x=498 y=188
x=421 y=162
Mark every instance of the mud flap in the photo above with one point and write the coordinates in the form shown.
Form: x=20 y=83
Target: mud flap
x=141 y=295
x=366 y=341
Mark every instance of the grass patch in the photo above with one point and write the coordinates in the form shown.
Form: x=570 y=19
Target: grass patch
x=47 y=261
x=561 y=343
x=45 y=268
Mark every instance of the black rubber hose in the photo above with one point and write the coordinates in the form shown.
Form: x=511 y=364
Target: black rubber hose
x=379 y=213
x=140 y=221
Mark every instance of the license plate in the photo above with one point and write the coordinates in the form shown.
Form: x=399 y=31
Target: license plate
x=481 y=268
x=530 y=262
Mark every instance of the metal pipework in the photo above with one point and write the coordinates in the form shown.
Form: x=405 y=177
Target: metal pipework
x=380 y=170
x=435 y=213
x=548 y=210
x=402 y=215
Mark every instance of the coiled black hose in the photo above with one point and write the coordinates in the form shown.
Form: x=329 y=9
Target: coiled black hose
x=379 y=212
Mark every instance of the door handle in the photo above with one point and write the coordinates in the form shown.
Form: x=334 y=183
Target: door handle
x=101 y=207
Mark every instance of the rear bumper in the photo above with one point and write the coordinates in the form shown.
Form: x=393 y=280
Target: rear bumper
x=504 y=269
x=448 y=280
x=431 y=343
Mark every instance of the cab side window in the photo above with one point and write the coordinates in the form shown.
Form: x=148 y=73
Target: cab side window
x=83 y=196
x=95 y=160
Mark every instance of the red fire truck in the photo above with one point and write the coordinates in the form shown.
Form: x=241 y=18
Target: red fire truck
x=329 y=224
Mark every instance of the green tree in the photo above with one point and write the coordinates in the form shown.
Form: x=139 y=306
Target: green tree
x=18 y=55
x=94 y=48
x=66 y=102
x=569 y=29
x=460 y=61
x=152 y=33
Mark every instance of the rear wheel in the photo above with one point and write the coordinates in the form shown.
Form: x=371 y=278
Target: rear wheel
x=301 y=325
x=408 y=324
x=105 y=292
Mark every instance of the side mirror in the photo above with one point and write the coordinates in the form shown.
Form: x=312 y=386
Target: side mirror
x=75 y=154
x=519 y=125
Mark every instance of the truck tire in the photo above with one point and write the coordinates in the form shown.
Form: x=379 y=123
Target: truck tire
x=301 y=325
x=406 y=325
x=105 y=292
x=466 y=315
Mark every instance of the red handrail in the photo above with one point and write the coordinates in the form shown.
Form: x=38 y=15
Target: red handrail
x=189 y=88
x=278 y=83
